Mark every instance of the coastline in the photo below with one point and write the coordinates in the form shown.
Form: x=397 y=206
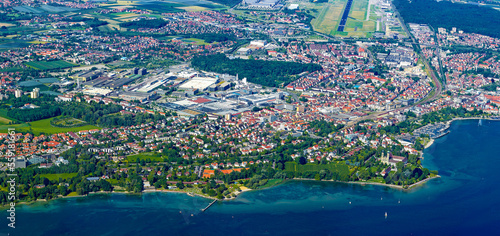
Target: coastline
x=235 y=193
x=431 y=141
x=409 y=187
x=471 y=118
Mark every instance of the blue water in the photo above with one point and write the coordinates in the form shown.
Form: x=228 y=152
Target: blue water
x=465 y=201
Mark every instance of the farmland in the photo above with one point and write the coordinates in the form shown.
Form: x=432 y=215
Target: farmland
x=49 y=65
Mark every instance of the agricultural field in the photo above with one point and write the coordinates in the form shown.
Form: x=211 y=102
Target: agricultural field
x=43 y=9
x=165 y=7
x=38 y=42
x=194 y=8
x=49 y=65
x=6 y=24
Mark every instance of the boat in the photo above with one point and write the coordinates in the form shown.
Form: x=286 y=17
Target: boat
x=480 y=123
x=386 y=214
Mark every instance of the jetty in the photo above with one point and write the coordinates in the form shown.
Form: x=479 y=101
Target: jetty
x=209 y=205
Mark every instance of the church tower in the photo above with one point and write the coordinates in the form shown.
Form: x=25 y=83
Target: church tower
x=385 y=158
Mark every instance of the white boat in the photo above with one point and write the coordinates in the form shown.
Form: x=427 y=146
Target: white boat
x=386 y=214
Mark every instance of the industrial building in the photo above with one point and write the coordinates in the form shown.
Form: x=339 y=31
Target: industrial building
x=131 y=96
x=200 y=83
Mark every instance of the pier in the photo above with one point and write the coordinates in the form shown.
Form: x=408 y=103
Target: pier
x=209 y=205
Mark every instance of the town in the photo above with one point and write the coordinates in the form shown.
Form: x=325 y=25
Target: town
x=215 y=100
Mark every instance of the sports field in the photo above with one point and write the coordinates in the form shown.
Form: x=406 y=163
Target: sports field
x=49 y=65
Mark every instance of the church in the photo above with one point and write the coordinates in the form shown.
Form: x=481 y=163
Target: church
x=391 y=160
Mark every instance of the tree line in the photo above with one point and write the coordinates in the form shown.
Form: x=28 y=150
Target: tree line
x=267 y=73
x=467 y=17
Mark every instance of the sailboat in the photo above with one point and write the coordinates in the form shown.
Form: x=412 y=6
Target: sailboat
x=480 y=123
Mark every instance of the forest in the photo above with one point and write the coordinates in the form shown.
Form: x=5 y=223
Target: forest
x=445 y=14
x=93 y=113
x=28 y=115
x=157 y=23
x=266 y=73
x=323 y=128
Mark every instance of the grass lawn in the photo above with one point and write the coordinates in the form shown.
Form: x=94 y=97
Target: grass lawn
x=146 y=155
x=195 y=41
x=328 y=17
x=4 y=121
x=68 y=122
x=4 y=118
x=44 y=126
x=72 y=194
x=53 y=177
x=38 y=42
x=379 y=180
x=113 y=181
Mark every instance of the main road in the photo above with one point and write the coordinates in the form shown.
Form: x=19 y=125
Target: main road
x=438 y=86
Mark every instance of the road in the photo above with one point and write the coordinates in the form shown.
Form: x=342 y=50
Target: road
x=438 y=86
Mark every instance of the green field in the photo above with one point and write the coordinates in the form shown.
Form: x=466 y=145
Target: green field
x=328 y=15
x=64 y=176
x=341 y=168
x=156 y=157
x=69 y=122
x=4 y=118
x=49 y=65
x=195 y=41
x=44 y=126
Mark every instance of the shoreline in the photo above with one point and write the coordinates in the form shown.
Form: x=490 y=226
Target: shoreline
x=471 y=118
x=374 y=183
x=431 y=141
x=236 y=193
